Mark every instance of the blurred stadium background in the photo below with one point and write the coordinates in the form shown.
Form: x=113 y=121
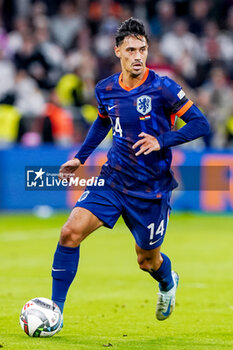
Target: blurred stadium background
x=52 y=53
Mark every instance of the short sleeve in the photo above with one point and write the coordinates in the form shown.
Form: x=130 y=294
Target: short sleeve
x=174 y=98
x=101 y=109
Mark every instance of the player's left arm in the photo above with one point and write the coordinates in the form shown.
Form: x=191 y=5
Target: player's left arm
x=177 y=104
x=195 y=127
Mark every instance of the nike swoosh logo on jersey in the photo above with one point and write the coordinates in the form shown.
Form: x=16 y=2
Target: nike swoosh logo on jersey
x=109 y=108
x=168 y=309
x=155 y=241
x=58 y=269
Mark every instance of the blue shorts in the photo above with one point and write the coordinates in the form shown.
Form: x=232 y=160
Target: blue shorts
x=146 y=219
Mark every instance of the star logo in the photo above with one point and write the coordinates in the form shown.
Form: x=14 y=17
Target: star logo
x=39 y=174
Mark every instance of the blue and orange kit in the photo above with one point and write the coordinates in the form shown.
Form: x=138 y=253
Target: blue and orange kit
x=150 y=107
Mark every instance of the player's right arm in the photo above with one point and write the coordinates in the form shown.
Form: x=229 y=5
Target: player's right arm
x=68 y=168
x=95 y=136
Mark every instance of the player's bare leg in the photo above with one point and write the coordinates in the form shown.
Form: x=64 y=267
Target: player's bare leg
x=159 y=267
x=79 y=225
x=149 y=260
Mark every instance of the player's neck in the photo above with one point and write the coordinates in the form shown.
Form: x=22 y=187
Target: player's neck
x=130 y=81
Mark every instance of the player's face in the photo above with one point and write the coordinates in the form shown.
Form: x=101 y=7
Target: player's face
x=133 y=54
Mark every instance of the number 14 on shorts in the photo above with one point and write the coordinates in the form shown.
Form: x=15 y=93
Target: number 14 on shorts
x=153 y=234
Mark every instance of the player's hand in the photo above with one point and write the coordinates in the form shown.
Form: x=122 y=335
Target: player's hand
x=148 y=144
x=67 y=169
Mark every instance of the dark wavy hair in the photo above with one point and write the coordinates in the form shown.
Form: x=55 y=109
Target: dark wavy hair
x=130 y=27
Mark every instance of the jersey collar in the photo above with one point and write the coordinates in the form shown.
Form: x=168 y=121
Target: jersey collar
x=140 y=83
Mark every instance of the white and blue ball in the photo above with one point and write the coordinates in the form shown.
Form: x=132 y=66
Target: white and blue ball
x=41 y=317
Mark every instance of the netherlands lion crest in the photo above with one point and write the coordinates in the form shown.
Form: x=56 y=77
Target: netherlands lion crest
x=144 y=104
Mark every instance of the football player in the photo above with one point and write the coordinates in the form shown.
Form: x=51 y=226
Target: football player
x=141 y=108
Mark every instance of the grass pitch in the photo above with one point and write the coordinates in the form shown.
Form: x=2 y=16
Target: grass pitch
x=111 y=302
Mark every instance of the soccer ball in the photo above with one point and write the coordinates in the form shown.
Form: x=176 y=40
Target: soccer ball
x=41 y=317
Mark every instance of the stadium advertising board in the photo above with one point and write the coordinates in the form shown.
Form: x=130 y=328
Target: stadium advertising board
x=205 y=179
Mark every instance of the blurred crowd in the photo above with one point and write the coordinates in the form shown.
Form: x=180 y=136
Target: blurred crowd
x=52 y=53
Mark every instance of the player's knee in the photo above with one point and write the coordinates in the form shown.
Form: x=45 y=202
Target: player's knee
x=70 y=236
x=145 y=262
